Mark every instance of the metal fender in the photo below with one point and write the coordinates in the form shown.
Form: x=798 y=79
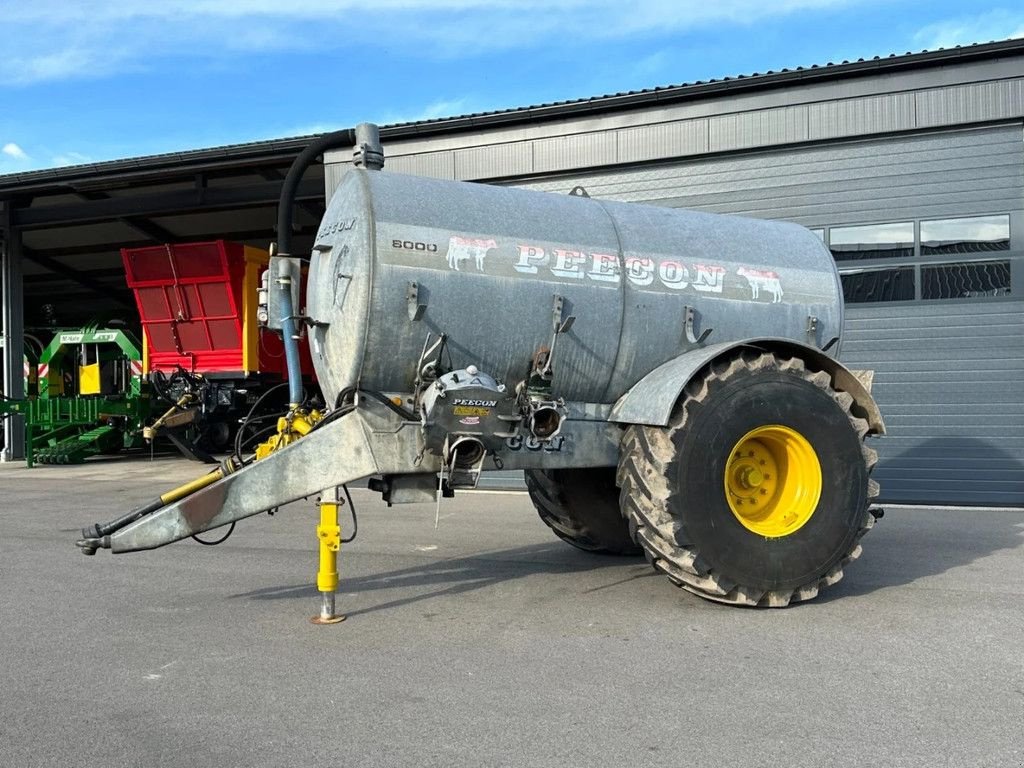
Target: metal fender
x=650 y=400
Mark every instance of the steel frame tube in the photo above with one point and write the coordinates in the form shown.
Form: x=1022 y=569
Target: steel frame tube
x=13 y=329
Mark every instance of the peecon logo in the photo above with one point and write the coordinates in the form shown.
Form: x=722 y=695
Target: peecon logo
x=604 y=267
x=486 y=253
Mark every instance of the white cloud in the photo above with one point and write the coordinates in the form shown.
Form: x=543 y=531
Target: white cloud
x=55 y=40
x=306 y=129
x=13 y=150
x=69 y=158
x=978 y=28
x=434 y=110
x=649 y=67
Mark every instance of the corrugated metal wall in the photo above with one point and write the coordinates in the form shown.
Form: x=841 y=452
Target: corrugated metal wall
x=947 y=173
x=868 y=106
x=950 y=381
x=950 y=374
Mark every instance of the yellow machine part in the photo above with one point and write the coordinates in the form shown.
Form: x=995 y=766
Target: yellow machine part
x=289 y=429
x=773 y=481
x=89 y=379
x=256 y=260
x=194 y=485
x=52 y=383
x=329 y=534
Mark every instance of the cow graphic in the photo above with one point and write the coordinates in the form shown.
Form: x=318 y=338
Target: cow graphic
x=762 y=279
x=468 y=249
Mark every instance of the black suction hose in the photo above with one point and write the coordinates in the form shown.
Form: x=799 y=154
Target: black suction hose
x=285 y=212
x=286 y=204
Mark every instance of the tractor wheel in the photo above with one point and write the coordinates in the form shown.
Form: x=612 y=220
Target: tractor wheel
x=581 y=507
x=757 y=492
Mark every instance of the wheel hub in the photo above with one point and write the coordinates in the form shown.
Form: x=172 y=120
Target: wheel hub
x=773 y=481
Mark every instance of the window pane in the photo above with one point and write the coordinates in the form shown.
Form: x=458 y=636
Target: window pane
x=965 y=281
x=820 y=233
x=895 y=284
x=872 y=241
x=979 y=233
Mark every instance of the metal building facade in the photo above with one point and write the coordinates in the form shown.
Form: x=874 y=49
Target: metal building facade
x=915 y=179
x=910 y=167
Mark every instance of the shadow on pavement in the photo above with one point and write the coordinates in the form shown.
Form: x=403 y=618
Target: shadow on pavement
x=907 y=545
x=464 y=574
x=912 y=544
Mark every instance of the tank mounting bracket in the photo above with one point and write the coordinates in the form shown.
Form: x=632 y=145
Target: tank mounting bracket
x=412 y=298
x=689 y=316
x=812 y=330
x=559 y=325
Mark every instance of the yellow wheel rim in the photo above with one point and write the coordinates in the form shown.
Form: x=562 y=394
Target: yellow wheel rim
x=773 y=481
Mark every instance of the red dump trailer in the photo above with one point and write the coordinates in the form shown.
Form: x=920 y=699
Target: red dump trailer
x=205 y=353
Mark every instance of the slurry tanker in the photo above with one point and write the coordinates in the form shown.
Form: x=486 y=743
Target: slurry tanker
x=665 y=378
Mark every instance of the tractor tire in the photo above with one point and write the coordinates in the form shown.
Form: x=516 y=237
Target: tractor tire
x=701 y=501
x=582 y=507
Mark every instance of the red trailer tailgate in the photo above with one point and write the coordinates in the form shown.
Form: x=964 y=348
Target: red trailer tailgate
x=190 y=299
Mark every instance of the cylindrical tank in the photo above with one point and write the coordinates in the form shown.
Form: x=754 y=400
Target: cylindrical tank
x=488 y=263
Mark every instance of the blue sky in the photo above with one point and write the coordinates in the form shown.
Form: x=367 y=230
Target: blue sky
x=84 y=81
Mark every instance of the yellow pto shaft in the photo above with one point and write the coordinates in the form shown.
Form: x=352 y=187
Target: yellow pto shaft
x=192 y=486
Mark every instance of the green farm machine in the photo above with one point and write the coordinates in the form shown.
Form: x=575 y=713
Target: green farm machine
x=85 y=396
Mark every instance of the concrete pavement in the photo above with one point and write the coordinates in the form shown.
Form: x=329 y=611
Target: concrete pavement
x=488 y=642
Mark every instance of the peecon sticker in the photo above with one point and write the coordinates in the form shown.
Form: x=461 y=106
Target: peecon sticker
x=470 y=410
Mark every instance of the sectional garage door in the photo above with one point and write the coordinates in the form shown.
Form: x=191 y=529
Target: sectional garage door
x=951 y=385
x=949 y=361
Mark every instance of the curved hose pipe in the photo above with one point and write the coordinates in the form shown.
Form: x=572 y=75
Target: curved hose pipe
x=285 y=212
x=286 y=203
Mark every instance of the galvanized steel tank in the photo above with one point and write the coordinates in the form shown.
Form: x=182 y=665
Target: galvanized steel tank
x=488 y=261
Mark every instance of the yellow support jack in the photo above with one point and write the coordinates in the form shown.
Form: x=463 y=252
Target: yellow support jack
x=329 y=534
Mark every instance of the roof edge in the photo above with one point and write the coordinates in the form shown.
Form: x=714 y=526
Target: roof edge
x=231 y=154
x=702 y=89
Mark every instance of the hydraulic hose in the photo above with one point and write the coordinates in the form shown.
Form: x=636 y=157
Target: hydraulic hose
x=93 y=536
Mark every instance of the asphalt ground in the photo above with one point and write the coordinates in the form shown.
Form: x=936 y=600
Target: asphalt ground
x=488 y=643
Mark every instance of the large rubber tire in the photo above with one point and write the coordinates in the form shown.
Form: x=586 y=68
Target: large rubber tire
x=673 y=493
x=582 y=507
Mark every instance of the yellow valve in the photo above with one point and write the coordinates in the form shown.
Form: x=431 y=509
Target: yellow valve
x=329 y=534
x=289 y=429
x=303 y=423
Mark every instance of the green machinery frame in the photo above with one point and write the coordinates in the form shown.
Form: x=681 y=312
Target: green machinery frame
x=66 y=422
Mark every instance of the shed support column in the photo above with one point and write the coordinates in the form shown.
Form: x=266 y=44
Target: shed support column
x=12 y=327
